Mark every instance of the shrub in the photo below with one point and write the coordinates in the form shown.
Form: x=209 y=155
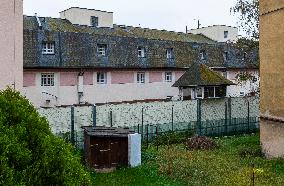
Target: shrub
x=172 y=137
x=250 y=152
x=29 y=153
x=200 y=142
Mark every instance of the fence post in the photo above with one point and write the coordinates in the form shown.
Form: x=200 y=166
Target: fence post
x=72 y=126
x=226 y=118
x=142 y=130
x=172 y=117
x=248 y=117
x=199 y=116
x=138 y=129
x=94 y=115
x=147 y=135
x=110 y=118
x=157 y=142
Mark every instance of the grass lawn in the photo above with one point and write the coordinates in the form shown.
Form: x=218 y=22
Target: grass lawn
x=230 y=164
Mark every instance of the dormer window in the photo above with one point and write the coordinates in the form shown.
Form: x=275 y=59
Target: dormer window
x=48 y=48
x=101 y=49
x=244 y=55
x=202 y=55
x=170 y=53
x=94 y=21
x=141 y=52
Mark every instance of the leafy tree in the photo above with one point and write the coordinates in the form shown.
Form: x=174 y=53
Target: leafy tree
x=29 y=153
x=248 y=13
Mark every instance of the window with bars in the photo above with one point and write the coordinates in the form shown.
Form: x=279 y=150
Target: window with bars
x=101 y=49
x=141 y=77
x=168 y=77
x=170 y=53
x=141 y=52
x=48 y=48
x=101 y=78
x=47 y=79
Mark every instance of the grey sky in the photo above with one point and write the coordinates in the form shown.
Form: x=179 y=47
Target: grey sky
x=159 y=14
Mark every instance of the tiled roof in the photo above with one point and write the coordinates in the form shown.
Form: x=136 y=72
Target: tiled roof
x=63 y=25
x=201 y=75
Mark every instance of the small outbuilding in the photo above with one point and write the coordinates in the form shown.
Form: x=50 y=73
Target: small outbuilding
x=200 y=82
x=108 y=147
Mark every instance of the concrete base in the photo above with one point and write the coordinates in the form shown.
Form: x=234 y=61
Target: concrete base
x=272 y=138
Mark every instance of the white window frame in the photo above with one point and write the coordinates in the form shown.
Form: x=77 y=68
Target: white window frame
x=47 y=79
x=48 y=48
x=202 y=55
x=202 y=92
x=168 y=77
x=101 y=49
x=101 y=78
x=141 y=77
x=141 y=52
x=170 y=52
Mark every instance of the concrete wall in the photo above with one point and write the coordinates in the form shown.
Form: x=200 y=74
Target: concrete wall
x=154 y=113
x=217 y=33
x=272 y=77
x=11 y=53
x=82 y=16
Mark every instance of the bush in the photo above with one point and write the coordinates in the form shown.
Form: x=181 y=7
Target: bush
x=250 y=152
x=29 y=153
x=200 y=142
x=169 y=138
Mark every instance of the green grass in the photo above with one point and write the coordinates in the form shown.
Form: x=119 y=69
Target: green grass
x=230 y=164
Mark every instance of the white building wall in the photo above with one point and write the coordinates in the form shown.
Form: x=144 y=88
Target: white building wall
x=82 y=16
x=216 y=32
x=97 y=93
x=243 y=87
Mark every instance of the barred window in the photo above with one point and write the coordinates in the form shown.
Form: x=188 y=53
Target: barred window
x=48 y=48
x=47 y=80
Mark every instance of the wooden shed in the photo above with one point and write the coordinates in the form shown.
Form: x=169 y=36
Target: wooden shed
x=106 y=147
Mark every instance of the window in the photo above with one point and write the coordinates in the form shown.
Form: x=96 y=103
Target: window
x=102 y=49
x=170 y=53
x=168 y=77
x=199 y=92
x=226 y=55
x=101 y=78
x=141 y=77
x=226 y=34
x=48 y=48
x=141 y=52
x=94 y=21
x=47 y=80
x=202 y=55
x=214 y=92
x=242 y=94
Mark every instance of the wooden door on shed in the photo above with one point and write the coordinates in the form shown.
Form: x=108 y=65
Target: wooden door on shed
x=109 y=152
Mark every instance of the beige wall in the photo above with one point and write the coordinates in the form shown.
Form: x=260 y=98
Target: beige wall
x=83 y=17
x=217 y=33
x=11 y=43
x=272 y=76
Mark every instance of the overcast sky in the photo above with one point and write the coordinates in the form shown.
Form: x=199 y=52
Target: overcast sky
x=160 y=14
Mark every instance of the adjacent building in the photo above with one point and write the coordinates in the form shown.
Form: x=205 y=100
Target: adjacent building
x=219 y=33
x=272 y=77
x=79 y=63
x=11 y=53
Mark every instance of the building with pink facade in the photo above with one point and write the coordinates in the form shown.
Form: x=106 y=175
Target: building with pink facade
x=66 y=64
x=11 y=53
